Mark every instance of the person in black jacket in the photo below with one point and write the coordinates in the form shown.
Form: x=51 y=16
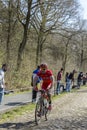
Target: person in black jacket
x=66 y=80
x=80 y=79
x=70 y=79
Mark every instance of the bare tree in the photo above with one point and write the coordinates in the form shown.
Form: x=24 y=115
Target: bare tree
x=52 y=16
x=25 y=23
x=80 y=44
x=8 y=25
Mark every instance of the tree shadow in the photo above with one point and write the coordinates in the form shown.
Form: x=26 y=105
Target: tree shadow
x=15 y=126
x=15 y=103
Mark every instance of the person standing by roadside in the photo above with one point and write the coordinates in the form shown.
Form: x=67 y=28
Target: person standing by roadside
x=2 y=81
x=59 y=77
x=70 y=79
x=66 y=80
x=34 y=92
x=80 y=80
x=84 y=79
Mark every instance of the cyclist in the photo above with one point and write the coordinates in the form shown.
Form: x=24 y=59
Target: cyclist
x=47 y=81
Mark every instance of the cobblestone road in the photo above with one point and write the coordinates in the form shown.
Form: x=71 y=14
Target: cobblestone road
x=69 y=113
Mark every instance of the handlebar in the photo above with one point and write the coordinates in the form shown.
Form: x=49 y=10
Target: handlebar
x=42 y=91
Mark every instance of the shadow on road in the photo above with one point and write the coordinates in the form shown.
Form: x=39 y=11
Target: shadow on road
x=15 y=103
x=16 y=126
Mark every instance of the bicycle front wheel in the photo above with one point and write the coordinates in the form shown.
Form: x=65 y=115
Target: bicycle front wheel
x=38 y=113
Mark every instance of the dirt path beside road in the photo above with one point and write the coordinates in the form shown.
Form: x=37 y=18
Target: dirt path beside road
x=69 y=113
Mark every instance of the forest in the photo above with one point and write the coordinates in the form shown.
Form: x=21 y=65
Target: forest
x=36 y=31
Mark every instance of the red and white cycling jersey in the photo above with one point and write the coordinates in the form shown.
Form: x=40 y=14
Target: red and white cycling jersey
x=46 y=78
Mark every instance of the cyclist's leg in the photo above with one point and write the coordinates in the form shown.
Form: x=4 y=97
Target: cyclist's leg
x=50 y=100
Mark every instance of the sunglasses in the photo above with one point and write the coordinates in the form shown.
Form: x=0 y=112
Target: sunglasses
x=43 y=69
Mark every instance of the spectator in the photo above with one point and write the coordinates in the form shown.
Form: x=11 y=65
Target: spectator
x=79 y=79
x=2 y=81
x=84 y=79
x=70 y=79
x=59 y=77
x=34 y=92
x=66 y=80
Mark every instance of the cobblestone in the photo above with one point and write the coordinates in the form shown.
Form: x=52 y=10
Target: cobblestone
x=69 y=113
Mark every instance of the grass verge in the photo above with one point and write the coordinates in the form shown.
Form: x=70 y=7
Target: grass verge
x=10 y=115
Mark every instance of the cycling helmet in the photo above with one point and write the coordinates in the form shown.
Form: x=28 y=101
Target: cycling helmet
x=44 y=65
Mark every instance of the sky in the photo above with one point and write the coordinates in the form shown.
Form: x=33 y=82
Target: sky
x=84 y=6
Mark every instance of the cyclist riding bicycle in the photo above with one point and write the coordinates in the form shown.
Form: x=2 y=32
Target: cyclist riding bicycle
x=48 y=80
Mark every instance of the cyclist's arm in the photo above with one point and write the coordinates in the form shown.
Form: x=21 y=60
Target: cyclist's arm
x=52 y=78
x=52 y=83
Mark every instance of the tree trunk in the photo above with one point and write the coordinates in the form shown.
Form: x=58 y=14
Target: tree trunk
x=82 y=56
x=24 y=40
x=37 y=52
x=21 y=49
x=65 y=56
x=9 y=33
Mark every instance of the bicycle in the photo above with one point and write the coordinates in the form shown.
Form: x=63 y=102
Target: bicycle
x=42 y=107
